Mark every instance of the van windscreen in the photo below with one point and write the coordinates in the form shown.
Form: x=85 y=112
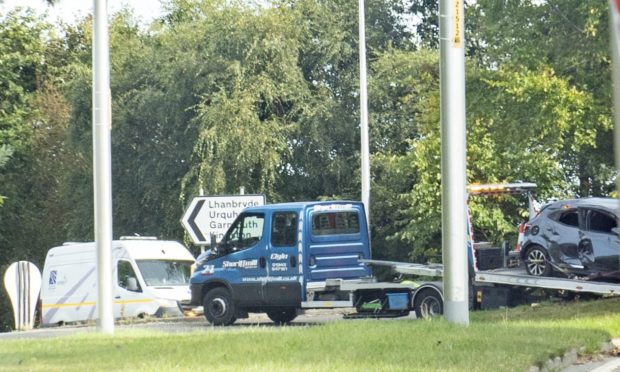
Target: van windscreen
x=164 y=272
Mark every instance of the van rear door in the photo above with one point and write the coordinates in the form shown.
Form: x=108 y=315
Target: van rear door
x=338 y=238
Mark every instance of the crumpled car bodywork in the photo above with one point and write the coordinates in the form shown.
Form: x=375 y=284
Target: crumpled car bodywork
x=577 y=237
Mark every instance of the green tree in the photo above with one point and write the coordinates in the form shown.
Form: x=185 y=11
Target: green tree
x=521 y=125
x=31 y=132
x=570 y=40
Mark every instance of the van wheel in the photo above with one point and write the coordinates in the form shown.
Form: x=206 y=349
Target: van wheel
x=427 y=304
x=282 y=315
x=537 y=262
x=218 y=307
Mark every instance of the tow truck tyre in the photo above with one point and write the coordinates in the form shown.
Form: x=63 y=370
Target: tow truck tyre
x=537 y=262
x=218 y=307
x=282 y=315
x=427 y=304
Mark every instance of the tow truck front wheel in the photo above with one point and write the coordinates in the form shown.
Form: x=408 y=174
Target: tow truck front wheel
x=427 y=304
x=218 y=307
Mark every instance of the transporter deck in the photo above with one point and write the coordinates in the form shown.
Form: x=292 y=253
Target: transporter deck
x=506 y=276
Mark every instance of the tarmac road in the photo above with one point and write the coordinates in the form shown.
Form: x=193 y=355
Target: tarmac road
x=187 y=324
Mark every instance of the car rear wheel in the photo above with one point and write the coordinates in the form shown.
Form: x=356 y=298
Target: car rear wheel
x=537 y=262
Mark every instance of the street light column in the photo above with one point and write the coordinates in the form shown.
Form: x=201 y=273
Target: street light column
x=102 y=166
x=453 y=164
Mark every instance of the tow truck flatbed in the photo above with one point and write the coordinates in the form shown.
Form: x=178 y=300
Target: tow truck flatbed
x=518 y=277
x=506 y=276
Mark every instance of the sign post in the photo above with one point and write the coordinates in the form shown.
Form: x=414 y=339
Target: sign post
x=208 y=215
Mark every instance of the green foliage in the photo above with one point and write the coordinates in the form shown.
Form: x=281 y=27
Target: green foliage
x=5 y=154
x=253 y=94
x=568 y=40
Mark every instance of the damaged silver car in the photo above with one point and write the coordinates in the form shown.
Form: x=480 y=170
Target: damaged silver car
x=576 y=238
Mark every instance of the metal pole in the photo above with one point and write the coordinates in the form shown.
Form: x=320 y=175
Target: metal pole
x=365 y=155
x=614 y=29
x=102 y=160
x=453 y=151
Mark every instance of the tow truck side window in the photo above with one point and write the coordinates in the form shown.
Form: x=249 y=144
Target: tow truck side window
x=333 y=223
x=245 y=232
x=283 y=229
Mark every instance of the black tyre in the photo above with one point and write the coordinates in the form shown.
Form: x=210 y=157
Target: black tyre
x=282 y=315
x=218 y=307
x=427 y=304
x=537 y=261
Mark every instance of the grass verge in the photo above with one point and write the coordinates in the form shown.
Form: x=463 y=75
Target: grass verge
x=502 y=340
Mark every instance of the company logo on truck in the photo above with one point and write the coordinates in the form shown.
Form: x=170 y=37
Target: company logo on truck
x=278 y=256
x=208 y=270
x=242 y=264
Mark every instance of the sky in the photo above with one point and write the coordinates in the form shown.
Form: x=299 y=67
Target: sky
x=70 y=10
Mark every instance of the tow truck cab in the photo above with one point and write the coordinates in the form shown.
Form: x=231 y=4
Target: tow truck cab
x=282 y=257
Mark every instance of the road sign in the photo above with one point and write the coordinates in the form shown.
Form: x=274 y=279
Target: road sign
x=22 y=281
x=208 y=215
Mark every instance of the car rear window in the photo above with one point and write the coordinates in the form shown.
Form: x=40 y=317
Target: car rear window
x=332 y=223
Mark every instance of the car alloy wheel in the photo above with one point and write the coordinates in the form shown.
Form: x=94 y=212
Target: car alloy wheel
x=537 y=263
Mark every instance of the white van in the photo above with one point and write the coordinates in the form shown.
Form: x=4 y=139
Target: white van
x=151 y=277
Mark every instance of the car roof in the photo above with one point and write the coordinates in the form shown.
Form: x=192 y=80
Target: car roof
x=611 y=204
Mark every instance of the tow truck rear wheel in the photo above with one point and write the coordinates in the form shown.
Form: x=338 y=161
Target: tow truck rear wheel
x=427 y=304
x=218 y=307
x=282 y=315
x=537 y=262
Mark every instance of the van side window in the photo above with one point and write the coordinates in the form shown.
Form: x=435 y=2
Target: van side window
x=332 y=223
x=283 y=229
x=246 y=231
x=126 y=277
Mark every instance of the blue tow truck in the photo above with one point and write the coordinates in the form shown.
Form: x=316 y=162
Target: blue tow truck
x=279 y=259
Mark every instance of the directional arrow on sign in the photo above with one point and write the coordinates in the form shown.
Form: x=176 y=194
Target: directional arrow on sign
x=208 y=215
x=189 y=221
x=192 y=220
